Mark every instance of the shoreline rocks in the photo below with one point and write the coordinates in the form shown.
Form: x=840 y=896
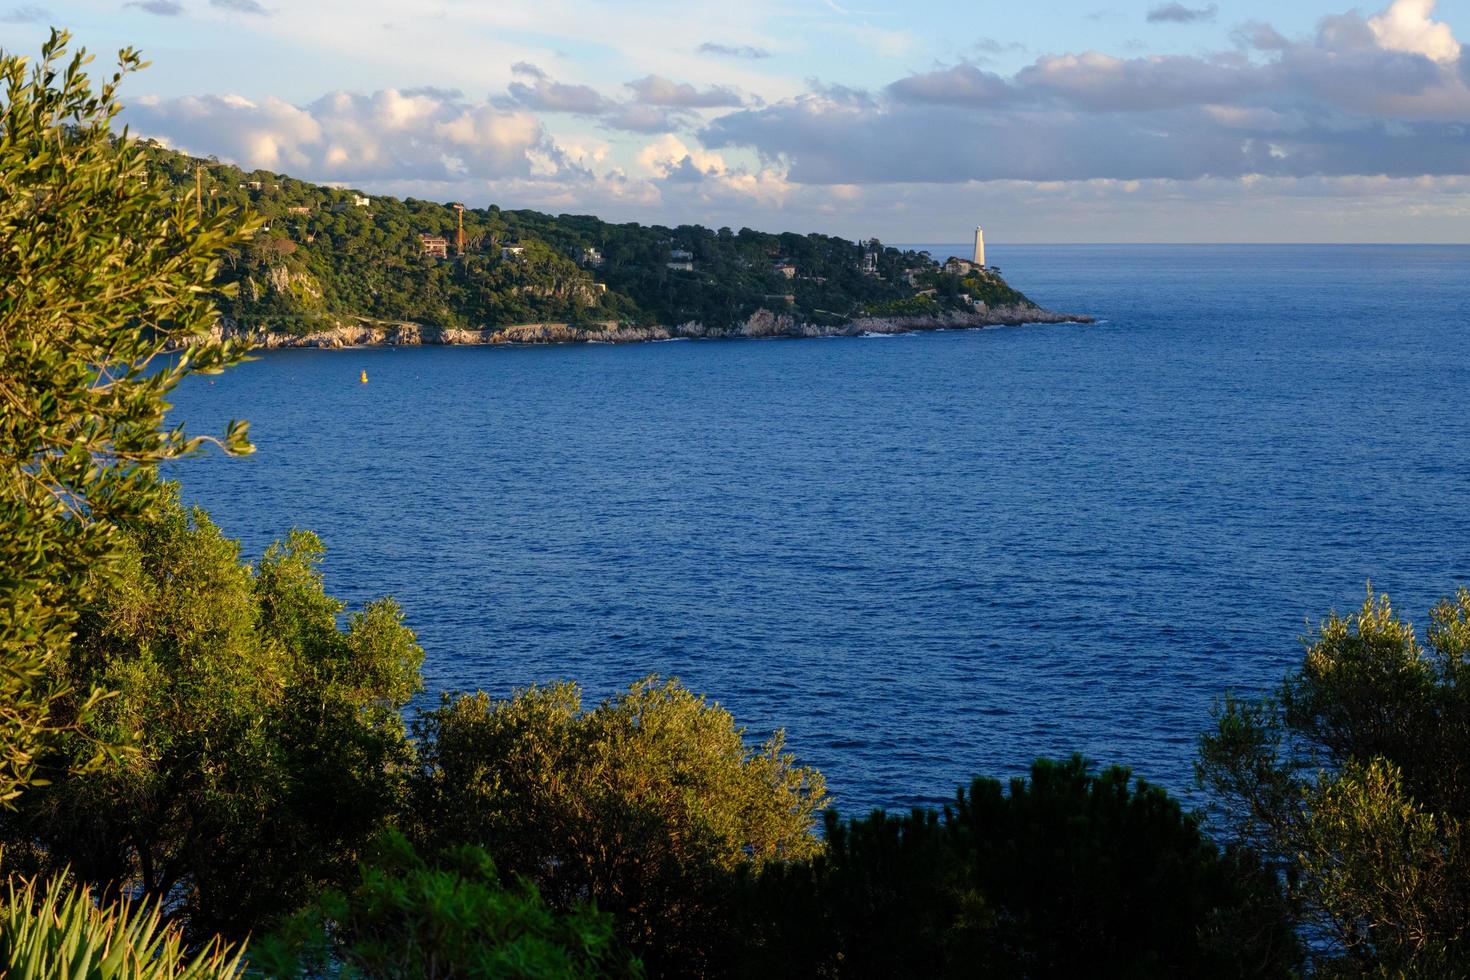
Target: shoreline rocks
x=361 y=332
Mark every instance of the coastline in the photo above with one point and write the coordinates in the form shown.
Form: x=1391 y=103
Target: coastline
x=763 y=323
x=363 y=332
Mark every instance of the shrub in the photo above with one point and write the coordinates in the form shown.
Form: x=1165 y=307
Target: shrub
x=907 y=306
x=452 y=917
x=270 y=745
x=644 y=804
x=1354 y=777
x=1066 y=874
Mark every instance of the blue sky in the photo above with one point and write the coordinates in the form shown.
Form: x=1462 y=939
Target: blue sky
x=1100 y=120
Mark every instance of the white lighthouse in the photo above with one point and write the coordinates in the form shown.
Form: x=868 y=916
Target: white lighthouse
x=979 y=246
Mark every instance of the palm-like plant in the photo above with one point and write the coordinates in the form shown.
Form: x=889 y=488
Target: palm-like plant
x=62 y=932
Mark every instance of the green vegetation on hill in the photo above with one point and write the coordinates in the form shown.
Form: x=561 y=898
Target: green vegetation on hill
x=328 y=252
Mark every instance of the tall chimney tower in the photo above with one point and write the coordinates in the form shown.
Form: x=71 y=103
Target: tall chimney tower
x=979 y=246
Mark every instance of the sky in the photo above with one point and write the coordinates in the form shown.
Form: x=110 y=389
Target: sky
x=1045 y=121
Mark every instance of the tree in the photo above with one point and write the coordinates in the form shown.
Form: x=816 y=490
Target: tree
x=270 y=746
x=644 y=804
x=1354 y=777
x=102 y=273
x=450 y=917
x=1067 y=874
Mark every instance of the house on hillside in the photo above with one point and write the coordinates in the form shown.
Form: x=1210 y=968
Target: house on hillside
x=785 y=267
x=434 y=246
x=681 y=260
x=591 y=257
x=959 y=267
x=358 y=201
x=509 y=252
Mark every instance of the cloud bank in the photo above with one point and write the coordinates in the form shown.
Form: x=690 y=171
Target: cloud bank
x=1371 y=107
x=347 y=136
x=1361 y=97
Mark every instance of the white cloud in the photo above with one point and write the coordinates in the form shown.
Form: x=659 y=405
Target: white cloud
x=355 y=137
x=584 y=151
x=1406 y=26
x=768 y=186
x=668 y=153
x=270 y=134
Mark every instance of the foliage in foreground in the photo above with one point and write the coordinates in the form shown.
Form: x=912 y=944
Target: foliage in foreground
x=644 y=804
x=100 y=273
x=60 y=932
x=450 y=917
x=1067 y=874
x=270 y=743
x=1355 y=777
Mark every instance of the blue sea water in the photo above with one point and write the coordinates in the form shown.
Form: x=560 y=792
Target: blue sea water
x=925 y=557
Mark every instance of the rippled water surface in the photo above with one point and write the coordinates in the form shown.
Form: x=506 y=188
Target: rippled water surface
x=926 y=557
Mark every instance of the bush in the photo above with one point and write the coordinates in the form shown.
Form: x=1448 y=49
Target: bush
x=64 y=934
x=450 y=918
x=1355 y=778
x=269 y=741
x=1068 y=874
x=993 y=291
x=907 y=306
x=644 y=804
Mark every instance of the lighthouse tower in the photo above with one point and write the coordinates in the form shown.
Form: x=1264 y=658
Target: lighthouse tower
x=979 y=246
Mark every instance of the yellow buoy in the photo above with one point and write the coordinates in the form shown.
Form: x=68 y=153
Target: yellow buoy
x=364 y=377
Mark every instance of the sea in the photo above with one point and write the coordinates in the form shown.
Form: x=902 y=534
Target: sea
x=924 y=557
